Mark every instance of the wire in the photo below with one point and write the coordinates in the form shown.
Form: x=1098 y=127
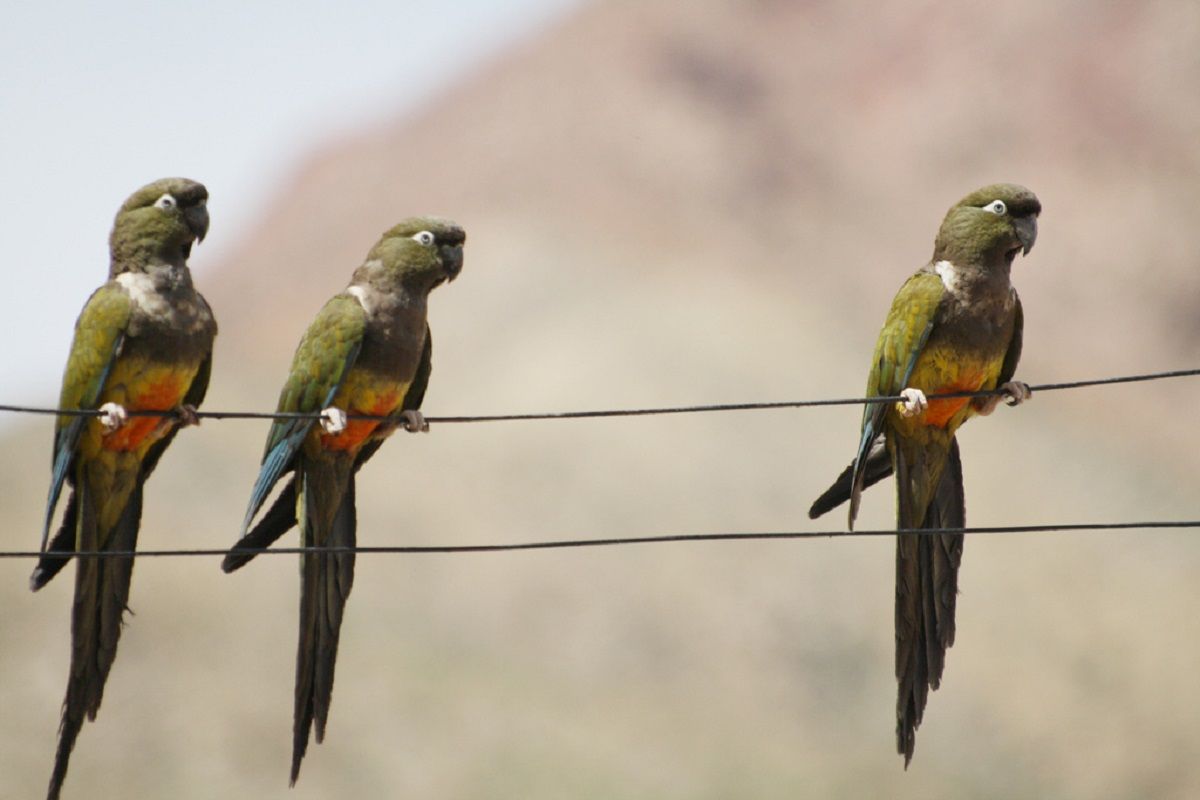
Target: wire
x=627 y=412
x=641 y=412
x=563 y=544
x=575 y=543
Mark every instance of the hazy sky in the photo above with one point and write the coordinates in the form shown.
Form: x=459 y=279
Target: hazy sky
x=98 y=98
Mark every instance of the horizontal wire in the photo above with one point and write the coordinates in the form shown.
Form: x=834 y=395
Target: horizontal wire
x=563 y=544
x=626 y=412
x=573 y=543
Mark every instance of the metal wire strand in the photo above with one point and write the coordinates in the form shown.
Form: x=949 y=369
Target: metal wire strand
x=565 y=544
x=623 y=412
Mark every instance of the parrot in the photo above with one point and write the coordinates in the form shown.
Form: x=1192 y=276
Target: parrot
x=954 y=326
x=367 y=352
x=143 y=342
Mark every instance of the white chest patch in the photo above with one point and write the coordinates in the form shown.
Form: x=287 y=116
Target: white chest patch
x=367 y=299
x=363 y=297
x=382 y=307
x=949 y=275
x=181 y=313
x=141 y=290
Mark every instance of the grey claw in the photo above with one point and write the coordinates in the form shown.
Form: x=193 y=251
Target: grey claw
x=414 y=421
x=187 y=416
x=1016 y=392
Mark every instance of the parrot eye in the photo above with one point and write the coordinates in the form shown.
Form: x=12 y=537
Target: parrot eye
x=166 y=202
x=997 y=207
x=424 y=237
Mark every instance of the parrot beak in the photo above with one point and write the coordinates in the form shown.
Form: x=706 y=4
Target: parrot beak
x=452 y=260
x=196 y=218
x=1026 y=228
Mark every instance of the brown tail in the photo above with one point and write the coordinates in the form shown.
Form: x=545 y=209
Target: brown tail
x=101 y=598
x=926 y=592
x=326 y=581
x=878 y=466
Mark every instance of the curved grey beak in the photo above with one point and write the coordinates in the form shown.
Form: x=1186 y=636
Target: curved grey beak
x=452 y=260
x=1026 y=228
x=197 y=220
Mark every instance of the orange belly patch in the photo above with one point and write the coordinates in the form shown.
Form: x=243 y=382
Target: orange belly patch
x=357 y=431
x=940 y=412
x=162 y=394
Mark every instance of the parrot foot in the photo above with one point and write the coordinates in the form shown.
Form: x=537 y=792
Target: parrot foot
x=333 y=420
x=414 y=421
x=1013 y=393
x=914 y=403
x=113 y=416
x=186 y=415
x=1016 y=392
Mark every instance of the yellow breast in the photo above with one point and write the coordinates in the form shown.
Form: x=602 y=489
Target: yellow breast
x=140 y=385
x=941 y=370
x=362 y=392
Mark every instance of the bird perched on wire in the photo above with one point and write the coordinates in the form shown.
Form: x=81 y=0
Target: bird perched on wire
x=143 y=342
x=954 y=326
x=366 y=353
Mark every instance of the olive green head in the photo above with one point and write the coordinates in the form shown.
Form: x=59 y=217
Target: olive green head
x=989 y=226
x=418 y=253
x=158 y=224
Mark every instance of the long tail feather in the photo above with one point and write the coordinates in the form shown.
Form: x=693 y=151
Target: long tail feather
x=274 y=466
x=278 y=520
x=101 y=598
x=926 y=591
x=878 y=466
x=59 y=551
x=325 y=586
x=64 y=449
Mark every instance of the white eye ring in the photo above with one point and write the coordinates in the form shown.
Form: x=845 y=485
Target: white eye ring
x=997 y=207
x=166 y=202
x=423 y=237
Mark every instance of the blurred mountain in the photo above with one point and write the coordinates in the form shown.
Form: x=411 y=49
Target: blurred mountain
x=670 y=204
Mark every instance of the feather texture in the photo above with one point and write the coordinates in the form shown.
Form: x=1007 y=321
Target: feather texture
x=954 y=326
x=367 y=353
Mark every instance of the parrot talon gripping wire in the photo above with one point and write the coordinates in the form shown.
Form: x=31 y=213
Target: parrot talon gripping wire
x=113 y=416
x=333 y=420
x=187 y=416
x=414 y=421
x=1016 y=392
x=914 y=402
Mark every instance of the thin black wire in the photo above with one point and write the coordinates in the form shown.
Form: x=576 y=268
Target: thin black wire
x=575 y=543
x=563 y=544
x=627 y=412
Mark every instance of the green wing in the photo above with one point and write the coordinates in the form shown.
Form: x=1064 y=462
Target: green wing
x=324 y=357
x=99 y=333
x=904 y=333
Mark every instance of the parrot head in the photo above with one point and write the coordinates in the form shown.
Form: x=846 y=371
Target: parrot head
x=158 y=224
x=419 y=253
x=990 y=226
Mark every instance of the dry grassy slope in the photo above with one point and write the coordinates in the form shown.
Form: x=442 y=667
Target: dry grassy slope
x=668 y=209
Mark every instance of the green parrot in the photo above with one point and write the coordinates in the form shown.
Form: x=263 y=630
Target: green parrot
x=142 y=342
x=954 y=326
x=367 y=352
